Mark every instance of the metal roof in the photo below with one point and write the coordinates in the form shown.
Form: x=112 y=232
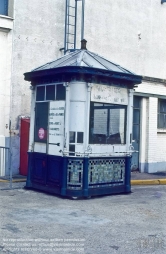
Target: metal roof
x=83 y=58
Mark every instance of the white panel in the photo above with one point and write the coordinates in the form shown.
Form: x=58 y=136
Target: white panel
x=77 y=116
x=39 y=147
x=79 y=148
x=78 y=91
x=4 y=87
x=109 y=94
x=105 y=150
x=56 y=127
x=54 y=150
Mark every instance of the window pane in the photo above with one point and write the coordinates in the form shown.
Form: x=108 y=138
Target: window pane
x=80 y=137
x=162 y=106
x=72 y=150
x=136 y=101
x=60 y=92
x=50 y=92
x=41 y=122
x=116 y=127
x=100 y=126
x=72 y=137
x=4 y=7
x=161 y=121
x=40 y=93
x=136 y=116
x=136 y=132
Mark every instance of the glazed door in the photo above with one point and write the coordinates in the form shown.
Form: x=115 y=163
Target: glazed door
x=136 y=133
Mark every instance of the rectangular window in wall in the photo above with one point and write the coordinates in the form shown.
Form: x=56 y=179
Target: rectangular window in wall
x=107 y=124
x=50 y=92
x=4 y=7
x=40 y=93
x=161 y=114
x=60 y=92
x=41 y=122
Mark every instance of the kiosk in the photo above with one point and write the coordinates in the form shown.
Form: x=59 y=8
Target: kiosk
x=81 y=126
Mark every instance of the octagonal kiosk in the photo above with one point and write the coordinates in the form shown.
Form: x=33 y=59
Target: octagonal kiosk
x=81 y=126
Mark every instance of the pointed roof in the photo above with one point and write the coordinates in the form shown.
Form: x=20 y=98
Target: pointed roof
x=84 y=65
x=84 y=58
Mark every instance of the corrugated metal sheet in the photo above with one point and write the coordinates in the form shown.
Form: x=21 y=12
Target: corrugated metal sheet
x=84 y=58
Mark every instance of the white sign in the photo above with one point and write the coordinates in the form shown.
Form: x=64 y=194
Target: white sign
x=109 y=94
x=56 y=127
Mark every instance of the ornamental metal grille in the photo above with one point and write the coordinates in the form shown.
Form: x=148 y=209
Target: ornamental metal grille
x=106 y=172
x=75 y=174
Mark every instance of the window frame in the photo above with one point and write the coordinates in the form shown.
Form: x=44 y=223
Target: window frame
x=160 y=112
x=46 y=102
x=4 y=5
x=107 y=106
x=45 y=85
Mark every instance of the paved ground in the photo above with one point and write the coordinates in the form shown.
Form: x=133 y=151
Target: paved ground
x=34 y=222
x=135 y=175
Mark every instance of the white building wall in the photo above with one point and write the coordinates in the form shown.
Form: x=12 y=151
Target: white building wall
x=5 y=72
x=38 y=35
x=6 y=25
x=152 y=140
x=130 y=33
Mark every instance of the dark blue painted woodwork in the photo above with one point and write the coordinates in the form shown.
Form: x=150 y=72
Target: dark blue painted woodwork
x=49 y=173
x=85 y=177
x=39 y=168
x=68 y=73
x=127 y=174
x=4 y=7
x=54 y=171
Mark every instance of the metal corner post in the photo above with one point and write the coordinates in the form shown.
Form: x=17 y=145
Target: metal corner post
x=64 y=177
x=128 y=174
x=85 y=177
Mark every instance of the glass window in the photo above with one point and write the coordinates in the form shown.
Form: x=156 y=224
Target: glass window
x=162 y=114
x=40 y=93
x=60 y=92
x=72 y=137
x=72 y=150
x=80 y=137
x=41 y=122
x=107 y=124
x=4 y=7
x=50 y=92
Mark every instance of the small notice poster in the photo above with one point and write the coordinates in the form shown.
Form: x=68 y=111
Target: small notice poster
x=56 y=126
x=109 y=94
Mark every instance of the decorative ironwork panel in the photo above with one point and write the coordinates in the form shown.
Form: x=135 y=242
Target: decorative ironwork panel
x=106 y=172
x=75 y=174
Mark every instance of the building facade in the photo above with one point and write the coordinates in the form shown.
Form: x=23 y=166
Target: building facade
x=128 y=32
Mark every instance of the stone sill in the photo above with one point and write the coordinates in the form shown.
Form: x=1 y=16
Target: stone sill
x=6 y=23
x=161 y=130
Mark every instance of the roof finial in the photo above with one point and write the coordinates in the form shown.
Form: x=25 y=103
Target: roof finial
x=83 y=44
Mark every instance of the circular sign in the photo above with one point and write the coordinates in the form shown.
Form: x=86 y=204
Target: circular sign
x=41 y=133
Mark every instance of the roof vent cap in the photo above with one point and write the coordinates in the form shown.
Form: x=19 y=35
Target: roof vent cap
x=83 y=44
